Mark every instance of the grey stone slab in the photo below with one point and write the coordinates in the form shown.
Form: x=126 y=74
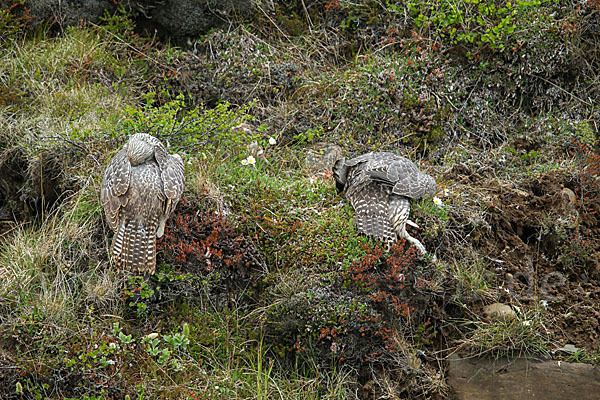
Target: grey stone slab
x=520 y=379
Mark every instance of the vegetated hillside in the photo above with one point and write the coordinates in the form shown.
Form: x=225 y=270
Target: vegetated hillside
x=263 y=287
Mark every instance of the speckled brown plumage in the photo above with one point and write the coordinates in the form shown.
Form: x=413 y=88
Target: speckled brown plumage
x=141 y=187
x=379 y=186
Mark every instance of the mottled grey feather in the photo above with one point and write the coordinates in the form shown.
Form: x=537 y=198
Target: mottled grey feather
x=379 y=186
x=139 y=193
x=114 y=186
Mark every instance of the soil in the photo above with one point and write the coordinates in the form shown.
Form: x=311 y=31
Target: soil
x=544 y=244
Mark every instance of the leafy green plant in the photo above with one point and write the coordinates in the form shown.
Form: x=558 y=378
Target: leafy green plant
x=177 y=340
x=119 y=24
x=308 y=136
x=14 y=19
x=137 y=293
x=474 y=22
x=198 y=129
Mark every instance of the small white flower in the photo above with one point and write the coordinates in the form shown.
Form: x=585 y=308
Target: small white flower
x=204 y=156
x=251 y=160
x=438 y=202
x=544 y=303
x=110 y=362
x=527 y=323
x=272 y=141
x=260 y=152
x=445 y=193
x=245 y=161
x=152 y=335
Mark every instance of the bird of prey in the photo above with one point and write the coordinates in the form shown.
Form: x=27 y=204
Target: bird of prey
x=379 y=186
x=141 y=187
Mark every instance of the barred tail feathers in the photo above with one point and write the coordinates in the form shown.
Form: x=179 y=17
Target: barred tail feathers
x=134 y=245
x=376 y=225
x=399 y=211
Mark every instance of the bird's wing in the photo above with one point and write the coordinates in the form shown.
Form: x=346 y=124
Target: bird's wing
x=173 y=179
x=400 y=173
x=415 y=185
x=360 y=159
x=114 y=187
x=161 y=154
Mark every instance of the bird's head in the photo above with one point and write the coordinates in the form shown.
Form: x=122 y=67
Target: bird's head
x=140 y=147
x=340 y=174
x=430 y=185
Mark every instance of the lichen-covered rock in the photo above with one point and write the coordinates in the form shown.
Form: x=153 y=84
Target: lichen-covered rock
x=189 y=19
x=177 y=20
x=480 y=378
x=68 y=12
x=321 y=156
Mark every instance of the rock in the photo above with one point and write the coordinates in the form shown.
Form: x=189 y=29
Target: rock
x=568 y=195
x=522 y=379
x=178 y=20
x=568 y=349
x=498 y=311
x=189 y=19
x=321 y=156
x=68 y=12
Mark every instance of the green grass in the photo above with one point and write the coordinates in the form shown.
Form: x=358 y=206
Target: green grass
x=73 y=98
x=524 y=334
x=300 y=217
x=472 y=277
x=63 y=299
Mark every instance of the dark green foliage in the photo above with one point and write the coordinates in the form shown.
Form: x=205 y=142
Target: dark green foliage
x=14 y=20
x=205 y=255
x=476 y=24
x=359 y=315
x=264 y=288
x=198 y=129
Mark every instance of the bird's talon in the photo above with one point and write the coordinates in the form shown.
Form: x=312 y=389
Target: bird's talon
x=409 y=222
